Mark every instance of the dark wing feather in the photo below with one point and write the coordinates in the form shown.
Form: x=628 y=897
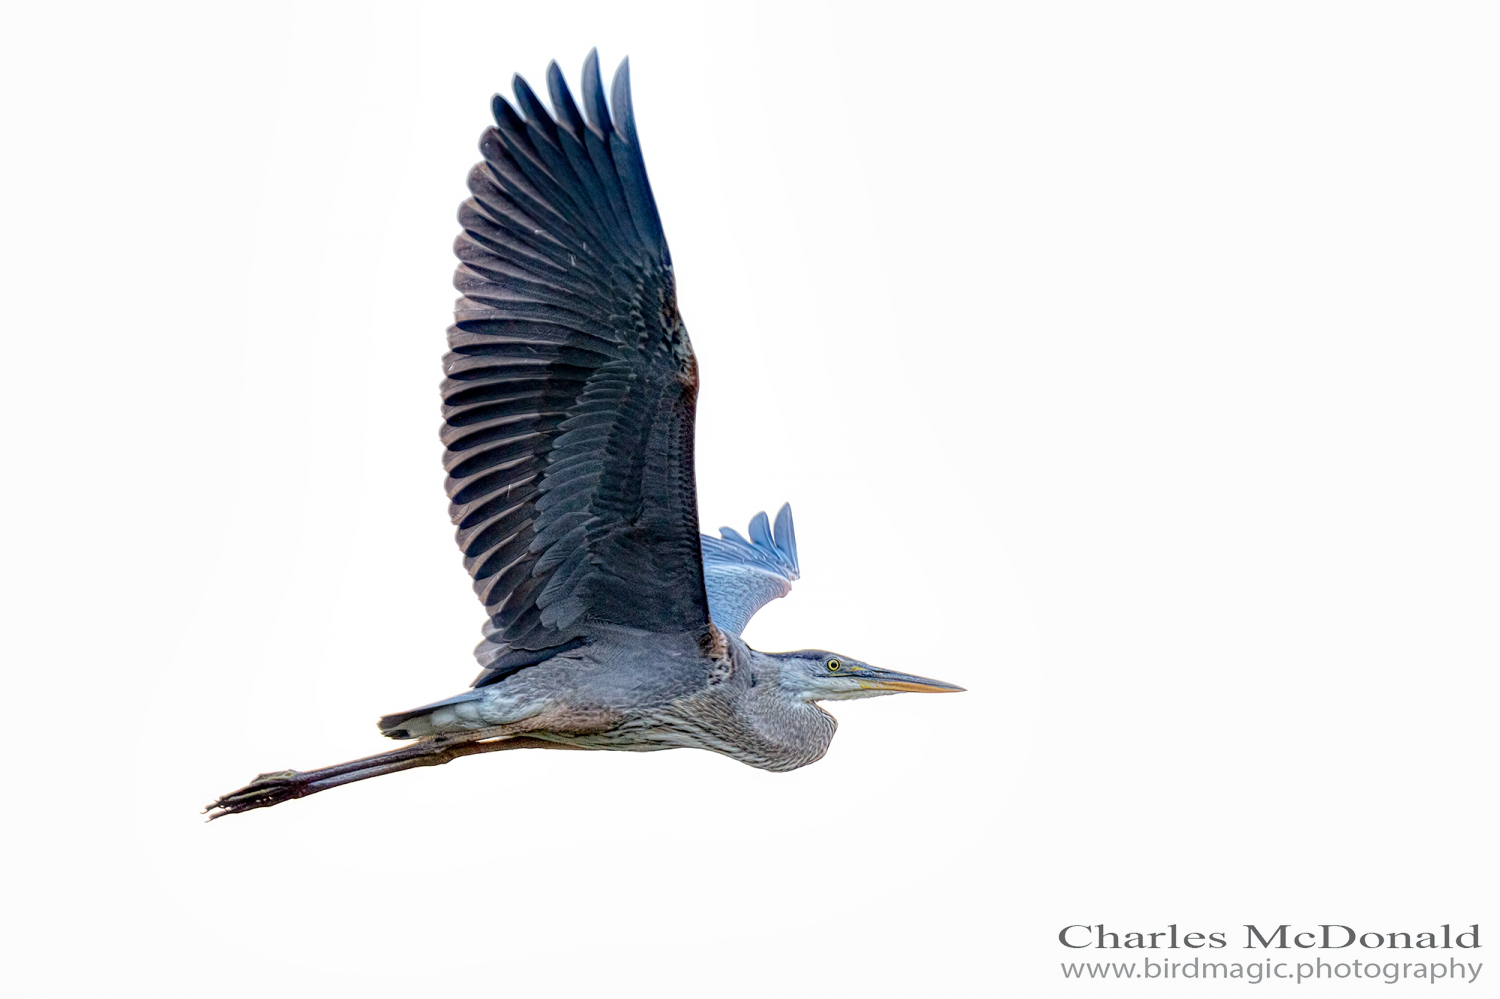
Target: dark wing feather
x=568 y=406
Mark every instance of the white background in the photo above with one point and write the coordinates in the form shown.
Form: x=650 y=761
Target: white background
x=1134 y=366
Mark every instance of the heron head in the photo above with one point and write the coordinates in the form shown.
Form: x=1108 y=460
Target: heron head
x=818 y=675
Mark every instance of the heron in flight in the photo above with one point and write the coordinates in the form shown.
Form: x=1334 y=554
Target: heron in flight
x=568 y=427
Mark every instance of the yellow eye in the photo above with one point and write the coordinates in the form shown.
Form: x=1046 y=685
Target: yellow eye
x=833 y=665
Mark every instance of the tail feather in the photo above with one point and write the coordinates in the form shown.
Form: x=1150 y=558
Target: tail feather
x=412 y=724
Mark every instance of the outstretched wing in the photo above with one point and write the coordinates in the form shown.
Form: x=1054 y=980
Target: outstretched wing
x=743 y=576
x=568 y=406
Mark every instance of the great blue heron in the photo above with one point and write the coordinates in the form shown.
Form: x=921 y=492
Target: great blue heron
x=568 y=422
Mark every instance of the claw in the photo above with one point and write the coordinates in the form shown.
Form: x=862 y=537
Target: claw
x=265 y=790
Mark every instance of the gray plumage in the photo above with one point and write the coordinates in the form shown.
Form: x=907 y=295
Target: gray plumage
x=568 y=409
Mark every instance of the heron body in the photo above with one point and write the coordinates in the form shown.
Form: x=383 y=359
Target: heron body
x=569 y=432
x=642 y=697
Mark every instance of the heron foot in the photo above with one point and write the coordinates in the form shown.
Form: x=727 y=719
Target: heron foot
x=264 y=791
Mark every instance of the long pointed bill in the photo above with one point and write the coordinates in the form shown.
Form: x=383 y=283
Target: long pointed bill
x=906 y=683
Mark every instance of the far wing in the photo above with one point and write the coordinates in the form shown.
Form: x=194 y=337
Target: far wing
x=742 y=576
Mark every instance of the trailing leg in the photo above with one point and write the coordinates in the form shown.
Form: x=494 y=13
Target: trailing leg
x=283 y=785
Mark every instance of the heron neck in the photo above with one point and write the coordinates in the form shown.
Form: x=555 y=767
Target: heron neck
x=790 y=731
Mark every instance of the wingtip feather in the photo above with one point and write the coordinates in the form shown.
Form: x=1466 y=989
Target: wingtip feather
x=619 y=93
x=760 y=530
x=786 y=534
x=563 y=105
x=594 y=106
